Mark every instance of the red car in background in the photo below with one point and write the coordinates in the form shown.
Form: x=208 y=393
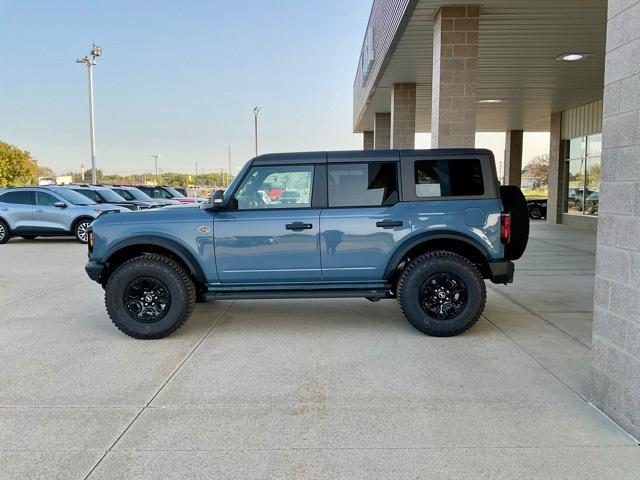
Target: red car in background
x=275 y=189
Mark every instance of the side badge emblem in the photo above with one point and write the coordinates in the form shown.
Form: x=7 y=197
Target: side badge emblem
x=204 y=229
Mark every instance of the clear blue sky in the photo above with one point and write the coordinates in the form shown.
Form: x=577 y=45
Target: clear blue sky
x=180 y=79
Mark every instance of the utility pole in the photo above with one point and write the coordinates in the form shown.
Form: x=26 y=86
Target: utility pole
x=90 y=61
x=196 y=162
x=256 y=110
x=230 y=174
x=155 y=157
x=82 y=172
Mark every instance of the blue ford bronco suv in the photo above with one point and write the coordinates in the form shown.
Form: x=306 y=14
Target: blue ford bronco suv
x=423 y=226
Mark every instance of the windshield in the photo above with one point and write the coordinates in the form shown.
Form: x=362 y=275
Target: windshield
x=110 y=196
x=73 y=197
x=236 y=180
x=174 y=192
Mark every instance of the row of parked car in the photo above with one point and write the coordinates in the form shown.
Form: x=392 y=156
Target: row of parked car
x=55 y=210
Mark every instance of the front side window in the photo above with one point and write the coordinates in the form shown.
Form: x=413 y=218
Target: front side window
x=449 y=178
x=17 y=198
x=124 y=193
x=276 y=187
x=45 y=199
x=91 y=194
x=362 y=184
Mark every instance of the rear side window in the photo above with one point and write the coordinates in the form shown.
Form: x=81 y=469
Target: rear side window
x=362 y=184
x=17 y=198
x=449 y=178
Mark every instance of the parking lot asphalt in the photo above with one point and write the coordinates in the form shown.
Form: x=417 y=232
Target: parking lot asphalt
x=303 y=388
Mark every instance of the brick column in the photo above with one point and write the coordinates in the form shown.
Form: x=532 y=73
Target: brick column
x=513 y=158
x=557 y=171
x=403 y=115
x=455 y=65
x=382 y=131
x=367 y=140
x=616 y=318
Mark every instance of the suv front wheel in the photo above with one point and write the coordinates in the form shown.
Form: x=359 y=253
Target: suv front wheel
x=150 y=296
x=441 y=293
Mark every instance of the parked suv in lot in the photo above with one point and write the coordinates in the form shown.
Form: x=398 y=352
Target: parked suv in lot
x=423 y=226
x=30 y=212
x=166 y=193
x=101 y=194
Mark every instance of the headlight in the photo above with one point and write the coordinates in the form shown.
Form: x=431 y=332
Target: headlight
x=99 y=212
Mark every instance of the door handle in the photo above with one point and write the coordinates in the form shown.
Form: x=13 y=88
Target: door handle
x=298 y=226
x=38 y=211
x=389 y=223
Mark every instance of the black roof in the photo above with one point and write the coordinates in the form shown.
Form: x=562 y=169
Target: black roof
x=359 y=155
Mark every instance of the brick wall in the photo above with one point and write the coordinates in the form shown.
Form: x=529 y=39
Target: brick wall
x=616 y=329
x=455 y=65
x=403 y=115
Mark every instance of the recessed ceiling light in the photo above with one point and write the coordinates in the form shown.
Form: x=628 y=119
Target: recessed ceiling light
x=490 y=100
x=572 y=57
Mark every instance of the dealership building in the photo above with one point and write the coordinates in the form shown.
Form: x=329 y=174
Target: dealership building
x=567 y=67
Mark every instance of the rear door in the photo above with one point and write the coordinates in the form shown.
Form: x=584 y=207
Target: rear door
x=17 y=208
x=262 y=240
x=364 y=220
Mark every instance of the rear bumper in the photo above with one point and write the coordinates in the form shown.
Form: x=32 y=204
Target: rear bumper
x=501 y=271
x=94 y=270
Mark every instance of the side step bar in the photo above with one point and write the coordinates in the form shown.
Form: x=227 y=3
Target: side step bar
x=306 y=293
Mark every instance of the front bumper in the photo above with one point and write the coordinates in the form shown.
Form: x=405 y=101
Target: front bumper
x=94 y=270
x=501 y=271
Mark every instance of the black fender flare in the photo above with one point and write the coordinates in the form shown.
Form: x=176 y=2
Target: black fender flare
x=173 y=246
x=413 y=242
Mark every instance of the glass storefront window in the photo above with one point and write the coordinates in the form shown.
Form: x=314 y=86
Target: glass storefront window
x=583 y=168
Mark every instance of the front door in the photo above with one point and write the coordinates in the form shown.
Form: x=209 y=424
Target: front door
x=269 y=233
x=364 y=221
x=48 y=217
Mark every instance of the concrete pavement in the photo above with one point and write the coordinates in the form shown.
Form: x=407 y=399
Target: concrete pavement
x=305 y=388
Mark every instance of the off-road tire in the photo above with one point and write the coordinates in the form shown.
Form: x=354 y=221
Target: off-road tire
x=514 y=203
x=80 y=229
x=178 y=282
x=424 y=267
x=28 y=237
x=5 y=233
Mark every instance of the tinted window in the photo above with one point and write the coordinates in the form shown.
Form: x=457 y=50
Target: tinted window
x=124 y=193
x=90 y=194
x=109 y=195
x=45 y=199
x=276 y=187
x=448 y=178
x=17 y=198
x=74 y=197
x=362 y=184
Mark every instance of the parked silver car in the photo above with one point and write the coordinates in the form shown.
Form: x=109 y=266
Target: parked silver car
x=30 y=212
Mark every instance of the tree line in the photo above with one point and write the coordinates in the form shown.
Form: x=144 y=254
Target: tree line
x=18 y=167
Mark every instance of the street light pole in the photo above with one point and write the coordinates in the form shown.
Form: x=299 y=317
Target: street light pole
x=90 y=61
x=155 y=157
x=256 y=110
x=229 y=177
x=196 y=162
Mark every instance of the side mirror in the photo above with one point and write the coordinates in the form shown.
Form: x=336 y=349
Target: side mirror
x=217 y=198
x=215 y=201
x=60 y=205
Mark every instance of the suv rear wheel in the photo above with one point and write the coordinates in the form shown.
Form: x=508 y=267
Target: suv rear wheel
x=5 y=234
x=150 y=296
x=441 y=293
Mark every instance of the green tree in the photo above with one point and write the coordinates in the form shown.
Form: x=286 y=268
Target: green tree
x=16 y=166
